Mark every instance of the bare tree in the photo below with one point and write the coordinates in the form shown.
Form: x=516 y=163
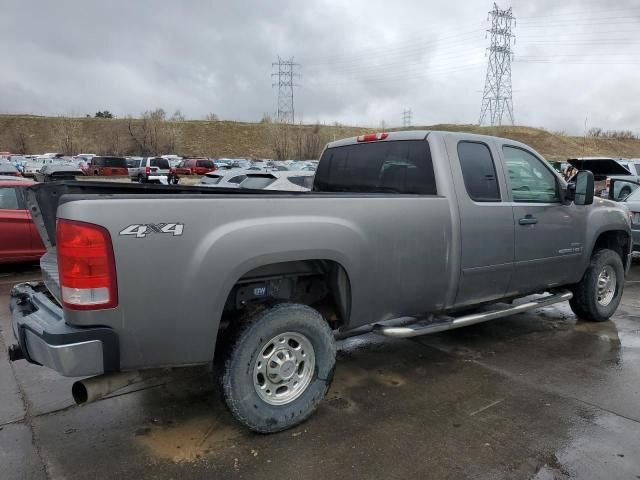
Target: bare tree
x=212 y=117
x=140 y=133
x=68 y=133
x=177 y=116
x=20 y=142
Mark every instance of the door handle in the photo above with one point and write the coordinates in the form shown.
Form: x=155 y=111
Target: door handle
x=528 y=220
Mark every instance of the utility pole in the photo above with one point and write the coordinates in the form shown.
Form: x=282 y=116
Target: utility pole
x=497 y=98
x=285 y=75
x=406 y=118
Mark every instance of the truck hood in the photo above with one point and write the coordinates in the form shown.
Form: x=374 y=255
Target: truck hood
x=599 y=166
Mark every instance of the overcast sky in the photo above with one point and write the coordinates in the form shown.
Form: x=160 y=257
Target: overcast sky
x=362 y=61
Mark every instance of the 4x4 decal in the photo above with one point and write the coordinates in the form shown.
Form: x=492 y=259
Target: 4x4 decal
x=142 y=230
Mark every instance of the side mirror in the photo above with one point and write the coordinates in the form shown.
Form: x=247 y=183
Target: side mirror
x=584 y=188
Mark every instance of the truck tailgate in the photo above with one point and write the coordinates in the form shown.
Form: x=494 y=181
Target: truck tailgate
x=49 y=267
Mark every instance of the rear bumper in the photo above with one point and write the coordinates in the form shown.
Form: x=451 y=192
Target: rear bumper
x=45 y=339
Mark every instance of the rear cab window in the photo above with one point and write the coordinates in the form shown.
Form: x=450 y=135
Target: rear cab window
x=401 y=166
x=478 y=171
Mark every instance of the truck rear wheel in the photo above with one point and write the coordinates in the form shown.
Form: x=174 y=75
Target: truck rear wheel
x=278 y=368
x=598 y=294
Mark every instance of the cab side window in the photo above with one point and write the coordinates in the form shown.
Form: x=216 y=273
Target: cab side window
x=478 y=172
x=530 y=179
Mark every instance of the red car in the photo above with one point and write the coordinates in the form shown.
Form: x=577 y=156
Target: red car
x=194 y=166
x=19 y=239
x=107 y=166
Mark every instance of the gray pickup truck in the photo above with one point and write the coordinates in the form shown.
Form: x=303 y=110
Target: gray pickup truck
x=404 y=233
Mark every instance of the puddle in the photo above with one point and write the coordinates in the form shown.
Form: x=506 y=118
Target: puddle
x=188 y=440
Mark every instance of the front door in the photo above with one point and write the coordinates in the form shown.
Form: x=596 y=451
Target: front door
x=548 y=233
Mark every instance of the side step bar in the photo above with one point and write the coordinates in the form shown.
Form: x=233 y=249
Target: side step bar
x=449 y=323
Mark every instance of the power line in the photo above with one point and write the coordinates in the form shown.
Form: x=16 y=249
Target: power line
x=285 y=74
x=497 y=97
x=406 y=118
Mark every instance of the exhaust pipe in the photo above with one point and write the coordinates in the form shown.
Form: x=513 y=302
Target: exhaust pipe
x=95 y=388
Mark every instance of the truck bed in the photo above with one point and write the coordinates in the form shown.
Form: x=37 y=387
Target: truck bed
x=43 y=199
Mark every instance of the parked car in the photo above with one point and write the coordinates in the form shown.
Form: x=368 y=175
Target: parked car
x=33 y=165
x=174 y=160
x=273 y=180
x=429 y=227
x=53 y=173
x=194 y=166
x=133 y=164
x=10 y=169
x=153 y=169
x=19 y=240
x=604 y=169
x=223 y=179
x=107 y=166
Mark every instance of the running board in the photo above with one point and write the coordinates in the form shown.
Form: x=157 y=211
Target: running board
x=449 y=323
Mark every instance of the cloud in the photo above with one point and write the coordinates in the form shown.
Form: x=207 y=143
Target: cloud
x=361 y=63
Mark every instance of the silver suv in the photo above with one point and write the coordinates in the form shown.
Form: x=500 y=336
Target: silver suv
x=153 y=169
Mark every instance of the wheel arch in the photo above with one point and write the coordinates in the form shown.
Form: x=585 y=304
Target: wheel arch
x=617 y=240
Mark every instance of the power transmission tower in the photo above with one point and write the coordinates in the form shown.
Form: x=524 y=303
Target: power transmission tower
x=285 y=84
x=497 y=99
x=406 y=118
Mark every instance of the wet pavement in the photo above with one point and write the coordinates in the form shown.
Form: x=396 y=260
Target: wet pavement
x=536 y=395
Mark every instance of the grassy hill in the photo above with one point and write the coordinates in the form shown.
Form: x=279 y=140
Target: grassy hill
x=35 y=134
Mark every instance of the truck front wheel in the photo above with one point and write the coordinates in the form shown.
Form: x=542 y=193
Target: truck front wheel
x=598 y=294
x=278 y=367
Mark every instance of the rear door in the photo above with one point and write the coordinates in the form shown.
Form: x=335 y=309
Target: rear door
x=15 y=242
x=549 y=234
x=486 y=220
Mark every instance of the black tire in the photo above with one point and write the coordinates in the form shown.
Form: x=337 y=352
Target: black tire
x=248 y=342
x=140 y=178
x=585 y=302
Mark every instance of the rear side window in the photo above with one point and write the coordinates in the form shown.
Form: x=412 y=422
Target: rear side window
x=389 y=167
x=112 y=162
x=478 y=172
x=205 y=163
x=8 y=199
x=305 y=181
x=258 y=181
x=237 y=179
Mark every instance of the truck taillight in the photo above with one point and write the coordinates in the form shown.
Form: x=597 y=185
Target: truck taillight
x=372 y=137
x=86 y=266
x=607 y=182
x=147 y=170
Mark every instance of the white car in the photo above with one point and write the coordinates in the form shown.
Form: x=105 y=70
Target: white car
x=260 y=180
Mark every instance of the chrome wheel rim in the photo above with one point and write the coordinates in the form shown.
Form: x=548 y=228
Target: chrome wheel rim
x=284 y=368
x=606 y=289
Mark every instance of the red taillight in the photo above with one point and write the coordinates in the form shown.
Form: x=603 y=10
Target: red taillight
x=372 y=137
x=607 y=182
x=86 y=266
x=147 y=170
